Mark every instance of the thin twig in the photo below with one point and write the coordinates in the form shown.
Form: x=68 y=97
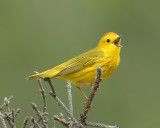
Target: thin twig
x=51 y=86
x=34 y=106
x=35 y=123
x=17 y=112
x=9 y=115
x=2 y=121
x=99 y=125
x=83 y=115
x=40 y=115
x=53 y=122
x=13 y=116
x=61 y=120
x=70 y=96
x=59 y=102
x=6 y=103
x=26 y=122
x=43 y=94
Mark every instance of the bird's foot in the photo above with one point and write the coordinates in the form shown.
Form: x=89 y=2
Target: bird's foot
x=89 y=106
x=94 y=91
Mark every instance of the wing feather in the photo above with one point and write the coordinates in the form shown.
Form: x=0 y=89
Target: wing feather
x=80 y=62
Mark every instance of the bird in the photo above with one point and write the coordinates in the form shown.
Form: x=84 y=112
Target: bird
x=81 y=70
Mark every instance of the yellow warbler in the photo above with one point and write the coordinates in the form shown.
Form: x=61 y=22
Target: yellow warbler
x=81 y=70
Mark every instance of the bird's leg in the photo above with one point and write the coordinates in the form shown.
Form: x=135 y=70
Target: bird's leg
x=83 y=94
x=86 y=98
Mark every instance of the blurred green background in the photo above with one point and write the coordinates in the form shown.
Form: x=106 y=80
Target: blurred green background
x=38 y=34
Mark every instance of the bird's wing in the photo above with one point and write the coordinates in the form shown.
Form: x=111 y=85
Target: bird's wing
x=80 y=62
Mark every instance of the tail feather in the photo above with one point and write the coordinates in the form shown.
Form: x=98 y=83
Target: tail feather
x=46 y=74
x=35 y=76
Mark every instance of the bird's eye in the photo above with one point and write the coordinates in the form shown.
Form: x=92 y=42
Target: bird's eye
x=108 y=40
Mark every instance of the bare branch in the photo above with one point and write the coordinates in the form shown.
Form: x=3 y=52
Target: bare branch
x=25 y=122
x=53 y=122
x=17 y=112
x=2 y=121
x=13 y=116
x=6 y=103
x=83 y=115
x=70 y=96
x=43 y=94
x=35 y=123
x=61 y=120
x=34 y=106
x=40 y=115
x=99 y=125
x=9 y=116
x=59 y=102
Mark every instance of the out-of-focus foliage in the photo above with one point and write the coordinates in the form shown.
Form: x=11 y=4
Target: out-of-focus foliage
x=38 y=34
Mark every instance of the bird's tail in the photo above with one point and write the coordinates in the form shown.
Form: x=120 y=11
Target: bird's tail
x=40 y=75
x=46 y=74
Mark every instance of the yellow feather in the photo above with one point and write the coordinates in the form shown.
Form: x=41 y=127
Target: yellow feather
x=81 y=69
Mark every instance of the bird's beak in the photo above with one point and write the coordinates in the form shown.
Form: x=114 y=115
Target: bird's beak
x=117 y=42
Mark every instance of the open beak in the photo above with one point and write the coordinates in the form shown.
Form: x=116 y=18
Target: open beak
x=117 y=42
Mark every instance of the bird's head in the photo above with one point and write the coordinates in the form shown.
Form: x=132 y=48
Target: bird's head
x=110 y=41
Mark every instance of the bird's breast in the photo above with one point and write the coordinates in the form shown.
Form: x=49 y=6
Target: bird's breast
x=87 y=75
x=109 y=66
